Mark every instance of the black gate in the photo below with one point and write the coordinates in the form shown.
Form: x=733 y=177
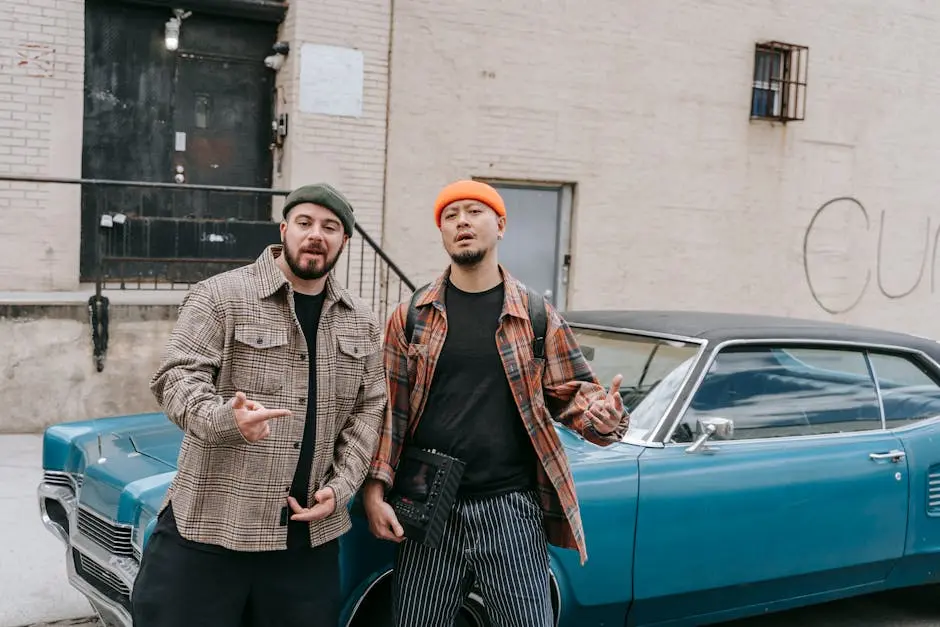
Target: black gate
x=135 y=252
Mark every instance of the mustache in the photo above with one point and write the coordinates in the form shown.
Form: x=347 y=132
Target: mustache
x=314 y=248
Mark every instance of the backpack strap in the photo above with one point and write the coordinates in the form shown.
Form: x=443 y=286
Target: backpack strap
x=537 y=316
x=413 y=312
x=539 y=319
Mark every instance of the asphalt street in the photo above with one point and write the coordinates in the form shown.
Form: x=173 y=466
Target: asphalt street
x=33 y=583
x=918 y=608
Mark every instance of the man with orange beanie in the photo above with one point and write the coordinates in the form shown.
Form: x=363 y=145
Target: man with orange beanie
x=466 y=384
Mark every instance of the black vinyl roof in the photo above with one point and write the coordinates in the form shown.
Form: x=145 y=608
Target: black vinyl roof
x=720 y=327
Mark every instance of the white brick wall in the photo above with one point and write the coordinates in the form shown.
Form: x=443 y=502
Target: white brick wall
x=348 y=152
x=41 y=76
x=682 y=202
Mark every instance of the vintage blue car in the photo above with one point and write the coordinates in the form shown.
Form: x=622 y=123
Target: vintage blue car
x=770 y=463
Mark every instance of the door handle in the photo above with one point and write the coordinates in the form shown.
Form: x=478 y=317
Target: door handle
x=895 y=456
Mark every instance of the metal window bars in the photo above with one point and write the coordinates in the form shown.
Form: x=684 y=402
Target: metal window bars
x=779 y=87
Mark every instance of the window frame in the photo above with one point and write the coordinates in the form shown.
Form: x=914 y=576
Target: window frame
x=787 y=87
x=930 y=365
x=651 y=439
x=774 y=82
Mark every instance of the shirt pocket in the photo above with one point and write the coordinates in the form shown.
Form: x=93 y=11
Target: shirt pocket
x=351 y=355
x=259 y=359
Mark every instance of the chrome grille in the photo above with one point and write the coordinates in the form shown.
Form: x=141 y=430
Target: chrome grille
x=55 y=477
x=933 y=491
x=115 y=538
x=91 y=567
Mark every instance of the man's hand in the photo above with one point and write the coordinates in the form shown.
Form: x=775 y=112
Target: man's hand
x=382 y=519
x=606 y=415
x=325 y=505
x=252 y=418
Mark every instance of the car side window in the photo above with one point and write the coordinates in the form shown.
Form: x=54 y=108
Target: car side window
x=908 y=391
x=774 y=392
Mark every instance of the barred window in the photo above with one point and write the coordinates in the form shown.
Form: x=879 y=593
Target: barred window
x=779 y=90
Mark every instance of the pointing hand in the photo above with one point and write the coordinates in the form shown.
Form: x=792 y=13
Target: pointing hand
x=252 y=417
x=326 y=505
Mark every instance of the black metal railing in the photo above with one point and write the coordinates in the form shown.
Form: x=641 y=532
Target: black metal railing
x=166 y=236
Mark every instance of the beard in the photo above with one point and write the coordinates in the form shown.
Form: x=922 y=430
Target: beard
x=467 y=258
x=313 y=269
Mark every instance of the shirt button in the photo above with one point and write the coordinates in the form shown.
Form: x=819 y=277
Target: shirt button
x=301 y=400
x=260 y=340
x=303 y=357
x=296 y=444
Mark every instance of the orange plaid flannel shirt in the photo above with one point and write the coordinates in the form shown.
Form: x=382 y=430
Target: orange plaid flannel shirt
x=560 y=386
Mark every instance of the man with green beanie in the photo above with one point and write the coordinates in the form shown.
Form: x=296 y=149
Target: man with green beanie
x=274 y=373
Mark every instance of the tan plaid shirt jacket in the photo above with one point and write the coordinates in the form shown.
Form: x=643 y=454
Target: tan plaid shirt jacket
x=237 y=331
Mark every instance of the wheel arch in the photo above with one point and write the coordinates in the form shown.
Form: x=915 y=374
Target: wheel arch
x=378 y=593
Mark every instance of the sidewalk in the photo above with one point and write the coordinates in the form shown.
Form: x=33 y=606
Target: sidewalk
x=32 y=561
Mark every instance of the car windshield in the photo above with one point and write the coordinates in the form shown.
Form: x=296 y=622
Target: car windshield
x=653 y=370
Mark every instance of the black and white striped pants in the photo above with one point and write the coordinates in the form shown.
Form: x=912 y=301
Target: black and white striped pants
x=500 y=543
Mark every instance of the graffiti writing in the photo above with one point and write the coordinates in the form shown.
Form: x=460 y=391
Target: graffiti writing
x=36 y=60
x=812 y=264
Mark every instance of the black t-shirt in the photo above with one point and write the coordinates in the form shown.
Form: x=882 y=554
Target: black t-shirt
x=308 y=309
x=470 y=413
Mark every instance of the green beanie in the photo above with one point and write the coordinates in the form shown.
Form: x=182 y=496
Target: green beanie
x=325 y=195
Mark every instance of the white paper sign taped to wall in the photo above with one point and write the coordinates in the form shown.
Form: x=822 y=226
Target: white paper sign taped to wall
x=331 y=80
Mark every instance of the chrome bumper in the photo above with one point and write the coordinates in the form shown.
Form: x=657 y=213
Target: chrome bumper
x=120 y=572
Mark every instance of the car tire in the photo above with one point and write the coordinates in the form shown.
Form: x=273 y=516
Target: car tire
x=375 y=610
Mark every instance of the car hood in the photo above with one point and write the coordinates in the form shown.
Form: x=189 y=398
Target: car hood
x=125 y=463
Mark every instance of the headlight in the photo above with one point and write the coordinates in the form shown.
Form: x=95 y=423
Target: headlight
x=140 y=529
x=136 y=542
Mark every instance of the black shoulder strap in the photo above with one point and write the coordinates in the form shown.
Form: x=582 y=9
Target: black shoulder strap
x=539 y=320
x=413 y=312
x=537 y=316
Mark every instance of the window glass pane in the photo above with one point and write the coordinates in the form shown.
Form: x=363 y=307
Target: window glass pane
x=775 y=392
x=909 y=394
x=767 y=66
x=762 y=102
x=652 y=369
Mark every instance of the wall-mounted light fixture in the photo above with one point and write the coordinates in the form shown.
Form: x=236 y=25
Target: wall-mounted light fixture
x=276 y=60
x=172 y=29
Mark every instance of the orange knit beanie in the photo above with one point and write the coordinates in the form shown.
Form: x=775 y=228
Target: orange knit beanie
x=468 y=190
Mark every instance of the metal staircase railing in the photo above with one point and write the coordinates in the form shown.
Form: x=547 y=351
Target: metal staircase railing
x=165 y=236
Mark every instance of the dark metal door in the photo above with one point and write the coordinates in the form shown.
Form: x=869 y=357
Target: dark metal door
x=222 y=122
x=202 y=113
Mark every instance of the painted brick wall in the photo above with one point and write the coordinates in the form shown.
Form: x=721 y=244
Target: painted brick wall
x=41 y=77
x=682 y=202
x=348 y=152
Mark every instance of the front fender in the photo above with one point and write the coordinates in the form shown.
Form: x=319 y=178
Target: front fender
x=607 y=484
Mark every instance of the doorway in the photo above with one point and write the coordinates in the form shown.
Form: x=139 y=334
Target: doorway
x=536 y=247
x=200 y=115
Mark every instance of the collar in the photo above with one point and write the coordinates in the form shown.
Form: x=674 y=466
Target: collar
x=271 y=279
x=513 y=303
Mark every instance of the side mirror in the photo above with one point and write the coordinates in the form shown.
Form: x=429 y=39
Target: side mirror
x=707 y=428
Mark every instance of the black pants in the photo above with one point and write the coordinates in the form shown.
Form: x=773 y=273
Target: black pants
x=187 y=584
